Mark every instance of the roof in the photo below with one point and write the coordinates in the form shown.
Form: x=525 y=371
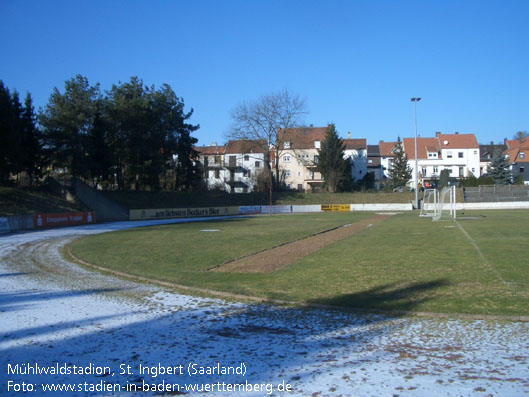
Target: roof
x=424 y=145
x=209 y=150
x=355 y=144
x=487 y=151
x=302 y=137
x=245 y=146
x=519 y=153
x=386 y=148
x=458 y=141
x=373 y=150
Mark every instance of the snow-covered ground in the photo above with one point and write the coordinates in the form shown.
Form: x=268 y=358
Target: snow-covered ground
x=94 y=333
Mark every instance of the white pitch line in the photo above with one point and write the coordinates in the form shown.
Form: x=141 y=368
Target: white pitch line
x=480 y=253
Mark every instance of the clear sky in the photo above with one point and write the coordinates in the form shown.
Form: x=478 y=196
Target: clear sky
x=356 y=63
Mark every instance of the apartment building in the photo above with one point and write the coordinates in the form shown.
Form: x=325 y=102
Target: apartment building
x=457 y=153
x=298 y=157
x=234 y=167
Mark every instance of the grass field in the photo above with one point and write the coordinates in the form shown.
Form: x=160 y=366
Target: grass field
x=403 y=263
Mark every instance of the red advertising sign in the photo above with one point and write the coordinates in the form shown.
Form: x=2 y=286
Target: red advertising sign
x=63 y=219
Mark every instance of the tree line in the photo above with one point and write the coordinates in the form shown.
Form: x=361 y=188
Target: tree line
x=130 y=137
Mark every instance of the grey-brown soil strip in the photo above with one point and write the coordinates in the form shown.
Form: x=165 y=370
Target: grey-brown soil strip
x=276 y=258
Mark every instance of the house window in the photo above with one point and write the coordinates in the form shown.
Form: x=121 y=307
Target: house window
x=522 y=155
x=316 y=159
x=287 y=172
x=249 y=173
x=435 y=170
x=448 y=155
x=286 y=159
x=475 y=152
x=522 y=169
x=424 y=170
x=206 y=161
x=217 y=174
x=461 y=171
x=286 y=145
x=246 y=157
x=460 y=155
x=369 y=161
x=473 y=170
x=317 y=144
x=257 y=164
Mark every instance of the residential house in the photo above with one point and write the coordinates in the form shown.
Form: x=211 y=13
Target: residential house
x=518 y=155
x=356 y=151
x=457 y=153
x=374 y=165
x=234 y=167
x=486 y=152
x=386 y=158
x=429 y=160
x=298 y=157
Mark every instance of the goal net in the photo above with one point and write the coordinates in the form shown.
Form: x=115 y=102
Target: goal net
x=446 y=206
x=430 y=201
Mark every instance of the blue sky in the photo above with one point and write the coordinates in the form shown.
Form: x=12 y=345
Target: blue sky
x=356 y=63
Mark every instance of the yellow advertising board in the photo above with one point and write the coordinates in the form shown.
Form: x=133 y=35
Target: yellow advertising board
x=336 y=207
x=136 y=215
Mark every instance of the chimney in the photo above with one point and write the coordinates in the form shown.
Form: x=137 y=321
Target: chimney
x=437 y=134
x=349 y=135
x=214 y=144
x=457 y=133
x=492 y=142
x=311 y=126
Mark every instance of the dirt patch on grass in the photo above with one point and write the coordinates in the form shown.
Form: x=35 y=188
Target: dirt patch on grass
x=276 y=258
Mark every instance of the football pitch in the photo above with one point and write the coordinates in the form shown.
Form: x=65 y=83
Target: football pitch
x=478 y=264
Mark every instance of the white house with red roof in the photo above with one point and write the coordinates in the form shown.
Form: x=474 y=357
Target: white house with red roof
x=457 y=153
x=233 y=167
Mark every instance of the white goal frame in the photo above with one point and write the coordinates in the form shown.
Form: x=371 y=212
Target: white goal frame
x=430 y=207
x=446 y=203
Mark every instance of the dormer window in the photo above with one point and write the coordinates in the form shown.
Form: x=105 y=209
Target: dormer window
x=286 y=145
x=317 y=144
x=522 y=155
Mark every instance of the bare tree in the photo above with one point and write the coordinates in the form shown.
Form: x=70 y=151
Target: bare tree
x=521 y=135
x=263 y=119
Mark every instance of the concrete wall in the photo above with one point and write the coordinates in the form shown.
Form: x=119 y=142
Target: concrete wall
x=382 y=207
x=106 y=209
x=306 y=208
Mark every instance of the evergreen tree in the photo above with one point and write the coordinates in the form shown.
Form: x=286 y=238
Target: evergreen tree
x=444 y=178
x=33 y=159
x=7 y=131
x=400 y=171
x=334 y=169
x=500 y=169
x=67 y=120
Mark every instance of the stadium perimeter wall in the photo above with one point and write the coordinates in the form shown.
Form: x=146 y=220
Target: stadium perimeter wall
x=16 y=223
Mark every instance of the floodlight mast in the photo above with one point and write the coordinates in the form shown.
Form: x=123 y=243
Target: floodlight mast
x=415 y=100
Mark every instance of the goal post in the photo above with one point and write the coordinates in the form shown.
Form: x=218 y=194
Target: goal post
x=446 y=206
x=429 y=207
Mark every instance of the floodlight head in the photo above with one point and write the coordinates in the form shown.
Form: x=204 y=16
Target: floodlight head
x=415 y=99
